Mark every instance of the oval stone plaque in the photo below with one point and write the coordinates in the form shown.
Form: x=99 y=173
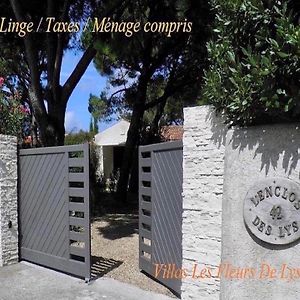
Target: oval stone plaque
x=272 y=210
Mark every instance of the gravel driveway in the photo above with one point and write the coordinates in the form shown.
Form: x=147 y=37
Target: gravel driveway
x=115 y=251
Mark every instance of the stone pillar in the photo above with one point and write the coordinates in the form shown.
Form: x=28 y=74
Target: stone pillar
x=260 y=159
x=203 y=169
x=8 y=201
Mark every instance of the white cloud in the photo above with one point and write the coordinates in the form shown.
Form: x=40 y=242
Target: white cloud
x=71 y=122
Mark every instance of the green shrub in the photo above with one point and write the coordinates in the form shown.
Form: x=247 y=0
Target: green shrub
x=254 y=73
x=14 y=117
x=87 y=137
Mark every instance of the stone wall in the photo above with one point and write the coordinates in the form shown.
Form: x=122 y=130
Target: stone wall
x=203 y=169
x=253 y=155
x=8 y=201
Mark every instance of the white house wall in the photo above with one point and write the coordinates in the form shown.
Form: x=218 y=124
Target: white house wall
x=113 y=136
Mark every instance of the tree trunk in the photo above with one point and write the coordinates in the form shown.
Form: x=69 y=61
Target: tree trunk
x=134 y=175
x=34 y=134
x=130 y=146
x=133 y=134
x=153 y=136
x=55 y=129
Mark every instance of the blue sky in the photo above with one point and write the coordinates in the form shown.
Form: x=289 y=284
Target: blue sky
x=77 y=116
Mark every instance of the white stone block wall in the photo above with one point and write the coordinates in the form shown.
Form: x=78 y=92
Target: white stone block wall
x=203 y=169
x=8 y=201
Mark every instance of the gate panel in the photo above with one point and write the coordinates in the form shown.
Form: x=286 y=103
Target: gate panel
x=54 y=208
x=161 y=212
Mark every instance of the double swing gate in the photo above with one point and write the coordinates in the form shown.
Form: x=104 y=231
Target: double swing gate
x=160 y=212
x=54 y=213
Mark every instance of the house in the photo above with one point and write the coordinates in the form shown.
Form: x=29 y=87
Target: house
x=111 y=144
x=112 y=141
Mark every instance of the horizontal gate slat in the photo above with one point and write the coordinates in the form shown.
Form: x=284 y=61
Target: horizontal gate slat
x=77 y=251
x=145 y=233
x=77 y=177
x=145 y=162
x=76 y=192
x=77 y=236
x=146 y=205
x=77 y=207
x=76 y=162
x=146 y=177
x=146 y=248
x=146 y=261
x=146 y=220
x=78 y=221
x=145 y=191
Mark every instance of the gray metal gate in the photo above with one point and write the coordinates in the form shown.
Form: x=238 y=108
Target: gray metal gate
x=54 y=213
x=160 y=212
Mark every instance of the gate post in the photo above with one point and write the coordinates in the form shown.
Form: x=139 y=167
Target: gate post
x=8 y=201
x=203 y=169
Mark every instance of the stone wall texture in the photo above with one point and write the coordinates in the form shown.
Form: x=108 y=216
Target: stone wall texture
x=253 y=154
x=8 y=201
x=203 y=169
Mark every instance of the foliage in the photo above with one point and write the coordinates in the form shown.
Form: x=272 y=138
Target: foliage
x=87 y=137
x=33 y=63
x=151 y=69
x=94 y=126
x=176 y=62
x=97 y=107
x=254 y=73
x=98 y=110
x=14 y=117
x=79 y=138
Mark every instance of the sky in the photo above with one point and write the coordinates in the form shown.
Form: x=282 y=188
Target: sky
x=77 y=115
